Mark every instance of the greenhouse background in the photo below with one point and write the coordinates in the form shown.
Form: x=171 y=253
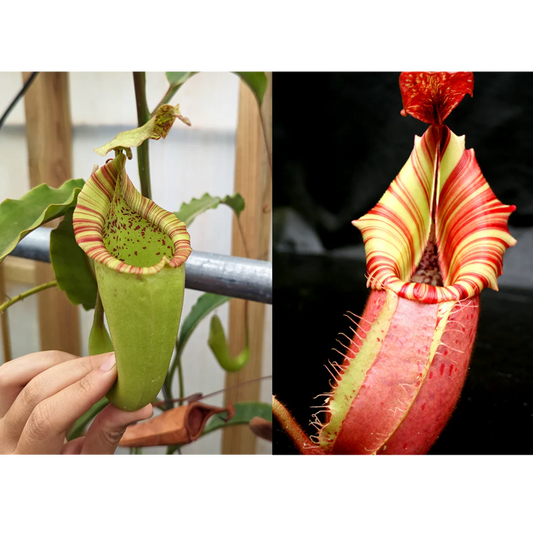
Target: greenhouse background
x=185 y=165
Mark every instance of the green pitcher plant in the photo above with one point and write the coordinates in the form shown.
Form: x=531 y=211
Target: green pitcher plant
x=433 y=242
x=139 y=252
x=118 y=252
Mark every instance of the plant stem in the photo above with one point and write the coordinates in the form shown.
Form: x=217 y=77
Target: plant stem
x=143 y=115
x=21 y=93
x=4 y=322
x=181 y=387
x=23 y=295
x=79 y=426
x=293 y=429
x=167 y=387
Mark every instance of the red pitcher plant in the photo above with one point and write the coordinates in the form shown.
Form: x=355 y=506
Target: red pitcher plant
x=433 y=242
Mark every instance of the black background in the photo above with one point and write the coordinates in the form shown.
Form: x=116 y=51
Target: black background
x=339 y=140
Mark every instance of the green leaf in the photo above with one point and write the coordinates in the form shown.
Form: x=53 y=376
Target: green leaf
x=40 y=205
x=257 y=81
x=189 y=211
x=71 y=266
x=207 y=303
x=219 y=346
x=244 y=412
x=177 y=79
x=236 y=202
x=158 y=126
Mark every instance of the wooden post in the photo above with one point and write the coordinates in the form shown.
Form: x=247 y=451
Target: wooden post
x=48 y=131
x=253 y=181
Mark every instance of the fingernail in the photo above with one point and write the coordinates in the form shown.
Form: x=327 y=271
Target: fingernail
x=109 y=363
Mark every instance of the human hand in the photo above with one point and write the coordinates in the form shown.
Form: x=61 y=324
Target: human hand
x=42 y=394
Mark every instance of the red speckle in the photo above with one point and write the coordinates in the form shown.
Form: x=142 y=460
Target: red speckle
x=430 y=374
x=451 y=368
x=423 y=406
x=442 y=369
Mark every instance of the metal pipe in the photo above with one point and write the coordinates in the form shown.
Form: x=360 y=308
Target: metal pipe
x=237 y=277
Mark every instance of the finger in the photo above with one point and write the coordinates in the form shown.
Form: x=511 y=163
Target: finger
x=16 y=374
x=42 y=386
x=73 y=447
x=105 y=432
x=45 y=430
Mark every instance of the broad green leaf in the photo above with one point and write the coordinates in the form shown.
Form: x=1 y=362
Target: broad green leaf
x=219 y=346
x=207 y=303
x=71 y=266
x=257 y=81
x=40 y=205
x=244 y=412
x=189 y=211
x=158 y=126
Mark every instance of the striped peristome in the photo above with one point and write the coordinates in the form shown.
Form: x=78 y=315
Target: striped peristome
x=93 y=211
x=470 y=223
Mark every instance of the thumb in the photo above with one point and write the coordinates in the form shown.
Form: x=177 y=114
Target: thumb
x=107 y=429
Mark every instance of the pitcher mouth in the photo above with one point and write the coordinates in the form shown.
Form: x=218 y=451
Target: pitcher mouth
x=439 y=203
x=428 y=270
x=118 y=227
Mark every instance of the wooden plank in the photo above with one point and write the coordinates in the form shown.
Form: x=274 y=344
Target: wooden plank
x=19 y=270
x=253 y=181
x=48 y=131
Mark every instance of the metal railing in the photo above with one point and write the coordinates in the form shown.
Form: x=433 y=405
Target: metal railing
x=237 y=277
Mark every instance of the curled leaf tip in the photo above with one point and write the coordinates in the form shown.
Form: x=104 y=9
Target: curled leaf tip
x=432 y=96
x=156 y=128
x=185 y=120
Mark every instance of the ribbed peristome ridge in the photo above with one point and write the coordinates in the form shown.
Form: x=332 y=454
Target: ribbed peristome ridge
x=441 y=185
x=109 y=188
